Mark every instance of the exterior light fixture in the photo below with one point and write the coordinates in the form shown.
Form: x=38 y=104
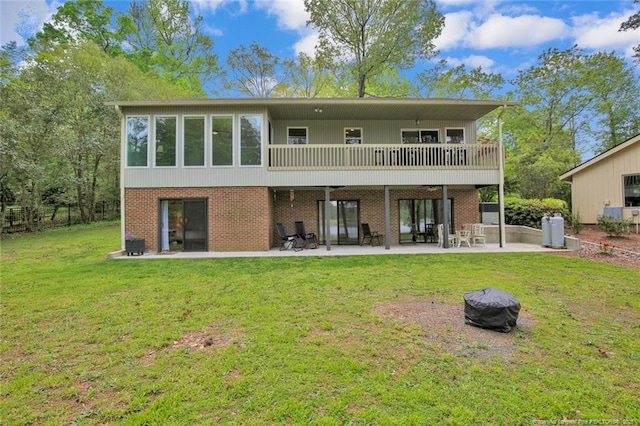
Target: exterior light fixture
x=318 y=110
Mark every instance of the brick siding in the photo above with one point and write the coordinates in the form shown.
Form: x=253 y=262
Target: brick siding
x=243 y=218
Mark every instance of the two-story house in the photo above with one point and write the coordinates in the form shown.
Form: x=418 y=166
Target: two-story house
x=218 y=174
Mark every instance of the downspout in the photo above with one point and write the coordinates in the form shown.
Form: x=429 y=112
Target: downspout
x=122 y=160
x=502 y=230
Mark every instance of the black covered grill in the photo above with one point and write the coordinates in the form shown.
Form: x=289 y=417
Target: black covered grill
x=491 y=308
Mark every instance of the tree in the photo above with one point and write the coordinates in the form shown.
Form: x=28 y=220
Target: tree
x=308 y=78
x=443 y=81
x=165 y=38
x=615 y=111
x=56 y=133
x=369 y=37
x=633 y=23
x=81 y=21
x=256 y=72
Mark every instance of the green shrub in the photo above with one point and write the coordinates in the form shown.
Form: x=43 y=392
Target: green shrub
x=614 y=226
x=576 y=222
x=519 y=211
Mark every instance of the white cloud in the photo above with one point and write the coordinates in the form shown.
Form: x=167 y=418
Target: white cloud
x=202 y=6
x=22 y=19
x=501 y=31
x=290 y=14
x=593 y=32
x=457 y=26
x=465 y=29
x=473 y=61
x=307 y=44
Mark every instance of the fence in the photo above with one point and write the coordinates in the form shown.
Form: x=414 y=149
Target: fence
x=22 y=219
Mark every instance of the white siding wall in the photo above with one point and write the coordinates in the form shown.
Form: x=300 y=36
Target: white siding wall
x=601 y=184
x=320 y=132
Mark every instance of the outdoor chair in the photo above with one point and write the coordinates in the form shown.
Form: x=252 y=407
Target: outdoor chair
x=464 y=236
x=310 y=239
x=288 y=241
x=371 y=235
x=477 y=234
x=452 y=237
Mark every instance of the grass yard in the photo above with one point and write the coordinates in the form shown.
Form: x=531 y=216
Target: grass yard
x=326 y=340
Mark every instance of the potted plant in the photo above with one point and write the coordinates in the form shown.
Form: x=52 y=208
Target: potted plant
x=133 y=245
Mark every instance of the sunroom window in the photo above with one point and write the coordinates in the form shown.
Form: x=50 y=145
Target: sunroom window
x=165 y=141
x=222 y=140
x=137 y=141
x=194 y=141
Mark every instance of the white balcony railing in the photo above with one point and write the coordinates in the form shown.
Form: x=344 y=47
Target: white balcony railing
x=379 y=157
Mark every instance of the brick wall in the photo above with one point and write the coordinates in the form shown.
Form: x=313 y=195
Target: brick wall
x=243 y=218
x=305 y=207
x=240 y=218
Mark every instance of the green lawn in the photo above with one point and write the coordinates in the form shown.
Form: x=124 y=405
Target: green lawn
x=304 y=340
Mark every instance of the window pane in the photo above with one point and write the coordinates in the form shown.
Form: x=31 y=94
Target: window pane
x=137 y=141
x=353 y=136
x=251 y=140
x=632 y=191
x=455 y=136
x=222 y=140
x=165 y=141
x=194 y=141
x=297 y=136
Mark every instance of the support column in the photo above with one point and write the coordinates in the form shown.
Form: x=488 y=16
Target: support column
x=445 y=217
x=501 y=224
x=327 y=217
x=387 y=219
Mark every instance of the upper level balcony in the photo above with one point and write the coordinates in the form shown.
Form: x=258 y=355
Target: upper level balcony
x=383 y=157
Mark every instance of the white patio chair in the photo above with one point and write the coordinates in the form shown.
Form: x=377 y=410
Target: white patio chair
x=464 y=236
x=452 y=237
x=477 y=234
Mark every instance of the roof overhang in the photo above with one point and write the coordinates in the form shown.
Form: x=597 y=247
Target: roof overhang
x=342 y=108
x=567 y=176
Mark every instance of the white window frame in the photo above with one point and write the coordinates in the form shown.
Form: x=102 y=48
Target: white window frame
x=347 y=139
x=233 y=140
x=206 y=140
x=447 y=137
x=262 y=137
x=420 y=135
x=126 y=142
x=155 y=140
x=306 y=135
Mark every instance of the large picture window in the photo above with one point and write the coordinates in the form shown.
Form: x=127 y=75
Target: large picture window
x=420 y=136
x=137 y=141
x=250 y=140
x=222 y=140
x=194 y=141
x=165 y=141
x=419 y=218
x=632 y=190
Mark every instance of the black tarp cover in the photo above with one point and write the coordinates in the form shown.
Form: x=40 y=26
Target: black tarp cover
x=491 y=308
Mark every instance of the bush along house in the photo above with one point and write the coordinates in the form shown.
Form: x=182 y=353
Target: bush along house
x=219 y=174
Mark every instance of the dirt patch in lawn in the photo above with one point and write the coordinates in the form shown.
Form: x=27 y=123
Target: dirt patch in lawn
x=444 y=327
x=210 y=338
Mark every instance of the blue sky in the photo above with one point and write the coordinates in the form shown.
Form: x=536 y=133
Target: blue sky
x=501 y=36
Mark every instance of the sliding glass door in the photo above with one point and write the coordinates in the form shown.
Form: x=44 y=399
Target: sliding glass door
x=419 y=218
x=343 y=222
x=183 y=225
